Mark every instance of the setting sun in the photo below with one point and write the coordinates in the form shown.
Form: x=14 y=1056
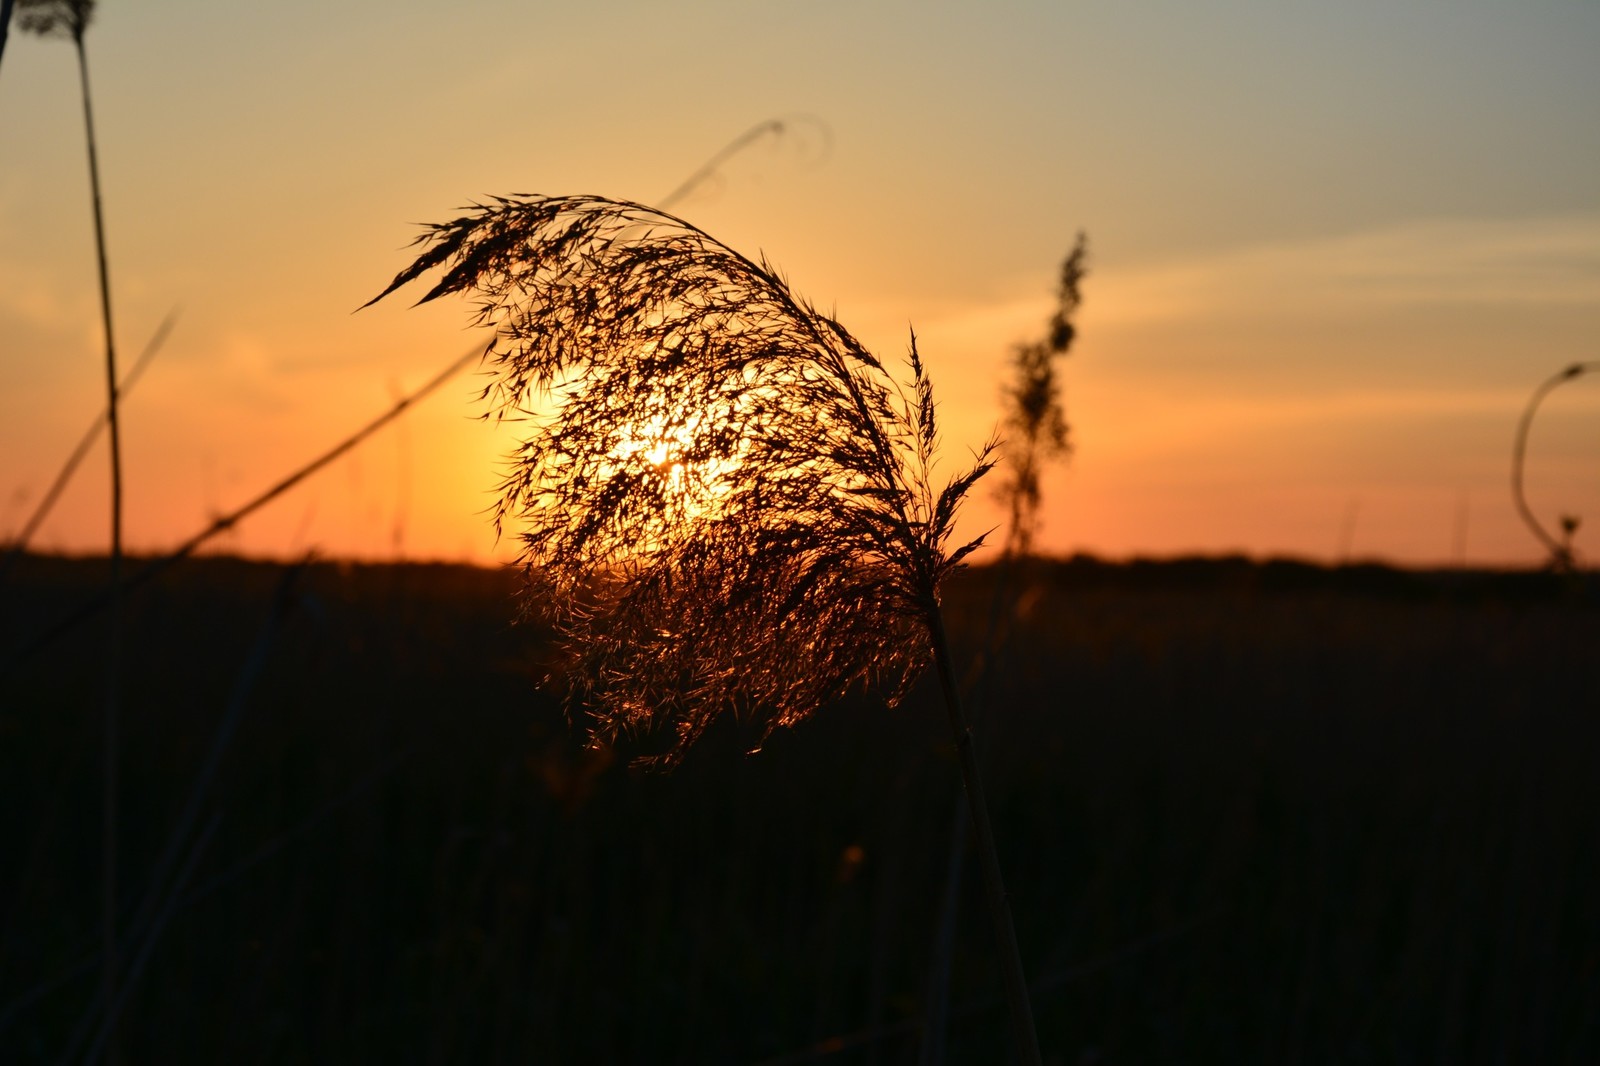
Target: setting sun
x=691 y=486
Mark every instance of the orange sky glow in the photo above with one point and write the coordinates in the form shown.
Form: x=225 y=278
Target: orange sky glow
x=1333 y=249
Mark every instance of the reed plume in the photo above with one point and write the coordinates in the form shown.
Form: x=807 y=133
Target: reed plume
x=727 y=503
x=1036 y=423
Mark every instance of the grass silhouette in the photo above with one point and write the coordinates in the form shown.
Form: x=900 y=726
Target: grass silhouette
x=5 y=24
x=727 y=504
x=1038 y=433
x=71 y=18
x=1561 y=558
x=1036 y=423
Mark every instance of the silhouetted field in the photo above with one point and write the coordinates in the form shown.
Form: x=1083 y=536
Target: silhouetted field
x=1248 y=813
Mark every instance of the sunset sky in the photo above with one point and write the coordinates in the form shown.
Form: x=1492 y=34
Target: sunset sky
x=1334 y=247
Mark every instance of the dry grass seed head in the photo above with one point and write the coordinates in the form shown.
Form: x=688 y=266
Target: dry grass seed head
x=726 y=504
x=1035 y=422
x=47 y=18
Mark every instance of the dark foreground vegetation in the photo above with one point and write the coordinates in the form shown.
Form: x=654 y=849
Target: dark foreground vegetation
x=1249 y=813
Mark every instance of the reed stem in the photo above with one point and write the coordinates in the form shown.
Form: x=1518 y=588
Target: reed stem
x=1015 y=982
x=108 y=885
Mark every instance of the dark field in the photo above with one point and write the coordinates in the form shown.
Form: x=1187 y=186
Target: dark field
x=1247 y=813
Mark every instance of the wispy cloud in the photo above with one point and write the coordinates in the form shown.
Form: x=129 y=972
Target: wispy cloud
x=1551 y=260
x=31 y=299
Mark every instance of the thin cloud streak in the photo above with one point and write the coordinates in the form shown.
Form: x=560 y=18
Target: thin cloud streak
x=1546 y=261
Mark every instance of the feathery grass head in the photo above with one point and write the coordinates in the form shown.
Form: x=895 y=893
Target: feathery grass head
x=64 y=18
x=727 y=502
x=1035 y=420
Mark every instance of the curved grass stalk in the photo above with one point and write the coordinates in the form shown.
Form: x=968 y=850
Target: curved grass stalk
x=727 y=504
x=1561 y=557
x=1038 y=433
